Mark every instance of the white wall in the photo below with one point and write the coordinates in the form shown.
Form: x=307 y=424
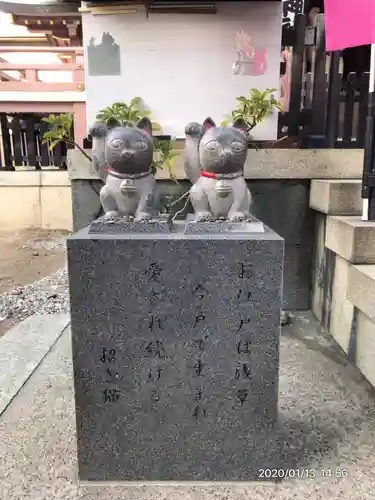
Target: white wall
x=181 y=65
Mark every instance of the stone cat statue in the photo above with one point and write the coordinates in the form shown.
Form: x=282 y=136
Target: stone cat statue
x=194 y=132
x=221 y=190
x=99 y=133
x=130 y=188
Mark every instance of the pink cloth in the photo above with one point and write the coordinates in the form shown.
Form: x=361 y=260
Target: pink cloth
x=349 y=23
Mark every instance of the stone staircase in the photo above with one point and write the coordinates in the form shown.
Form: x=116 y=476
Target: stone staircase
x=343 y=282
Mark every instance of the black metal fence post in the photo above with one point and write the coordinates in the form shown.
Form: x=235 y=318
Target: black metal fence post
x=296 y=79
x=368 y=180
x=333 y=103
x=318 y=115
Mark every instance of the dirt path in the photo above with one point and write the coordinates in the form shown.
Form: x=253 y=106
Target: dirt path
x=28 y=255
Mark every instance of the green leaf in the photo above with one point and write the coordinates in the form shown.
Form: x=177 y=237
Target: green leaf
x=156 y=127
x=136 y=101
x=226 y=122
x=53 y=144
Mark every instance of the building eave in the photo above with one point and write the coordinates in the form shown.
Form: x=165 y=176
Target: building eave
x=38 y=7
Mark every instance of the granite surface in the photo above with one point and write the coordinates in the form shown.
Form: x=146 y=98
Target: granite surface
x=120 y=226
x=224 y=227
x=175 y=354
x=284 y=207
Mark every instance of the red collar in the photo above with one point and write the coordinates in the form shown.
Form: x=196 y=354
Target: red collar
x=208 y=174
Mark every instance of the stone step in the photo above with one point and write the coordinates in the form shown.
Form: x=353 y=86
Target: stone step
x=336 y=197
x=23 y=348
x=361 y=289
x=351 y=238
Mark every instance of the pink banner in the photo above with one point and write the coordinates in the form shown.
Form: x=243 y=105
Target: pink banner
x=349 y=23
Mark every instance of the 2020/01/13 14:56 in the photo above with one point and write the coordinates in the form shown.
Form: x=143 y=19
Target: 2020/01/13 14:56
x=303 y=473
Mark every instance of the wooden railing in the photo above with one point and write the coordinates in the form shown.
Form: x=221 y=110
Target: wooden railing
x=29 y=78
x=21 y=143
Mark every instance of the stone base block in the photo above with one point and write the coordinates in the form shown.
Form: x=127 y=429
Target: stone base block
x=175 y=354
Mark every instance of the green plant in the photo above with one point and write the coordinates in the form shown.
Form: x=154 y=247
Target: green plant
x=254 y=108
x=164 y=155
x=127 y=114
x=60 y=130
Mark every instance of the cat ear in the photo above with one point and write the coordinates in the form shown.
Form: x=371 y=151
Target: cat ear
x=98 y=130
x=113 y=122
x=193 y=129
x=208 y=123
x=240 y=124
x=145 y=124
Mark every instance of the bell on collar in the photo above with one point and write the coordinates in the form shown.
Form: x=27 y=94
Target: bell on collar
x=223 y=189
x=128 y=188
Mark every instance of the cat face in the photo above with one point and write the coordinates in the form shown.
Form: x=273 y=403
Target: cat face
x=129 y=150
x=223 y=150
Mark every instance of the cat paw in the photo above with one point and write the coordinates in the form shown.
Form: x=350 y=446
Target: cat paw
x=112 y=214
x=193 y=129
x=143 y=216
x=203 y=217
x=238 y=217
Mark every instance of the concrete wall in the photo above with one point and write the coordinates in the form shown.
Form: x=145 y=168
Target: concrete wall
x=35 y=199
x=343 y=288
x=182 y=65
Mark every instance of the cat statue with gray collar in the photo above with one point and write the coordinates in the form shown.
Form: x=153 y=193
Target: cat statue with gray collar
x=130 y=188
x=221 y=191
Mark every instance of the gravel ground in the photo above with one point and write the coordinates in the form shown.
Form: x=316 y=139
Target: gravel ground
x=49 y=295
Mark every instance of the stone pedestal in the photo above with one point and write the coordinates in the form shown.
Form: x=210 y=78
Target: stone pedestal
x=175 y=352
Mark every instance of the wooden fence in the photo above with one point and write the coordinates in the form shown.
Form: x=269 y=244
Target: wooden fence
x=325 y=109
x=21 y=144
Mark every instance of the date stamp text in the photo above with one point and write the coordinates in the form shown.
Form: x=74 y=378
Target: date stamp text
x=303 y=473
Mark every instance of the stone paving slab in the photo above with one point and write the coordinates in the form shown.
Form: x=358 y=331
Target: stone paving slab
x=22 y=349
x=327 y=420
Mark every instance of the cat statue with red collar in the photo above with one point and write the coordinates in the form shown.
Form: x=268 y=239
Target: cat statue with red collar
x=221 y=191
x=193 y=134
x=130 y=188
